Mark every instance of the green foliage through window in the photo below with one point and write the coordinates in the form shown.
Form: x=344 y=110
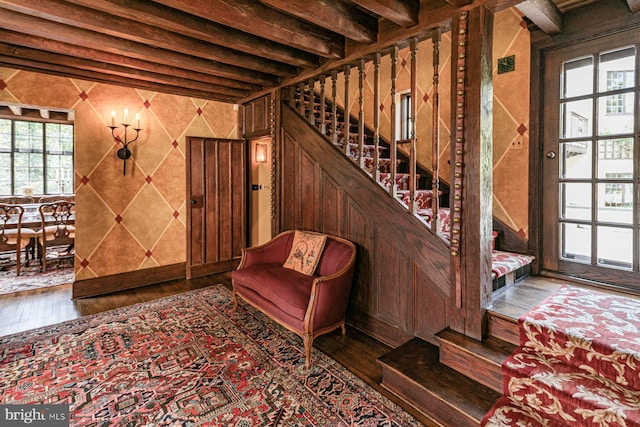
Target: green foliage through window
x=39 y=157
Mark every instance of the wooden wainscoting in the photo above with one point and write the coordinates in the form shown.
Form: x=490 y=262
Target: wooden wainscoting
x=401 y=288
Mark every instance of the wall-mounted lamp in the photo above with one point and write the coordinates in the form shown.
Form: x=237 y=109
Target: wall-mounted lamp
x=124 y=153
x=261 y=153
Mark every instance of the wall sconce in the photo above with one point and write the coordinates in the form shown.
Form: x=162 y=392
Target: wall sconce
x=261 y=153
x=124 y=153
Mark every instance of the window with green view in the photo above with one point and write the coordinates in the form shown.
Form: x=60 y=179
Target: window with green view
x=38 y=157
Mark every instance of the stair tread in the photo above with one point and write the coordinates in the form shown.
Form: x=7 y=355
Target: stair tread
x=491 y=348
x=419 y=361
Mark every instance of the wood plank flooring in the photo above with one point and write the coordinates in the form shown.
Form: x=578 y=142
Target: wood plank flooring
x=22 y=311
x=513 y=301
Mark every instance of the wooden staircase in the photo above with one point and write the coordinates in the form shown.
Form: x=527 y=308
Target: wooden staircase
x=457 y=379
x=455 y=383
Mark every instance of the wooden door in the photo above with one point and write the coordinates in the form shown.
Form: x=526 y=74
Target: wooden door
x=591 y=225
x=216 y=214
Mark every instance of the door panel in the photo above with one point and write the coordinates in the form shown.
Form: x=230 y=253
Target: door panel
x=216 y=186
x=590 y=164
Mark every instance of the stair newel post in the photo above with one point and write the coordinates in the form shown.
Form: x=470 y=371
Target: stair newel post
x=334 y=108
x=323 y=106
x=413 y=46
x=312 y=103
x=435 y=140
x=302 y=100
x=361 y=113
x=393 y=146
x=347 y=110
x=376 y=117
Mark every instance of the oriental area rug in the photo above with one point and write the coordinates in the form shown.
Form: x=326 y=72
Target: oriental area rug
x=578 y=364
x=59 y=272
x=186 y=360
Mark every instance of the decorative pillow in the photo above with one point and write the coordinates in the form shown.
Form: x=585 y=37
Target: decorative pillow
x=305 y=252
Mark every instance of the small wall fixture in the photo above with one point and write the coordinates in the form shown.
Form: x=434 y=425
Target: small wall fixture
x=261 y=153
x=124 y=153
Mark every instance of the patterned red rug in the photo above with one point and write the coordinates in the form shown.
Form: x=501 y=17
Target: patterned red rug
x=186 y=360
x=33 y=278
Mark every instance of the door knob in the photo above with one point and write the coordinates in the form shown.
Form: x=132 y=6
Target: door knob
x=551 y=154
x=193 y=201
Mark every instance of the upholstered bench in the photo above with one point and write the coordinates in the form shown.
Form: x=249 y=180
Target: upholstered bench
x=310 y=302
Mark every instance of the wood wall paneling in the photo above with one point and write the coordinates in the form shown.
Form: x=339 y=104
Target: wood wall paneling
x=358 y=229
x=309 y=179
x=394 y=278
x=429 y=307
x=331 y=206
x=323 y=190
x=289 y=202
x=256 y=116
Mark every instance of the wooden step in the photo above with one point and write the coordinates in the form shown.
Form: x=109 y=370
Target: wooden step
x=481 y=361
x=503 y=327
x=413 y=372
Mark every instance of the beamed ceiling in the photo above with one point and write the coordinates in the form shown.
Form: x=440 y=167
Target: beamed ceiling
x=222 y=49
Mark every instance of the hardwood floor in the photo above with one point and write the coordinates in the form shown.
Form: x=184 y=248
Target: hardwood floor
x=43 y=307
x=514 y=301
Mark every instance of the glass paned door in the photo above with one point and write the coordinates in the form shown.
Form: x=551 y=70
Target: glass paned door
x=591 y=157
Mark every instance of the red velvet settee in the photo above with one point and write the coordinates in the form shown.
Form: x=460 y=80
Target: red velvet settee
x=310 y=306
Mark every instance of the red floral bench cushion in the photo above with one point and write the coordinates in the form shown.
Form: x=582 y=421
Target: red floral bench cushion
x=506 y=262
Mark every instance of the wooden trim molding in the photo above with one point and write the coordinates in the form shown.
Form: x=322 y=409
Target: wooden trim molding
x=129 y=280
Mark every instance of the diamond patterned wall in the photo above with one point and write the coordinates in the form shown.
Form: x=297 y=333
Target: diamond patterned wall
x=510 y=111
x=137 y=221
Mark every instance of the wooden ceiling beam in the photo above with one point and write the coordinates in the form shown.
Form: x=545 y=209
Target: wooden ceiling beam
x=458 y=3
x=61 y=70
x=544 y=14
x=334 y=16
x=42 y=44
x=47 y=29
x=202 y=29
x=402 y=12
x=39 y=56
x=89 y=19
x=262 y=21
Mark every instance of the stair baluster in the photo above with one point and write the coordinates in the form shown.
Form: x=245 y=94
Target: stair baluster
x=393 y=189
x=376 y=117
x=347 y=111
x=312 y=103
x=301 y=104
x=435 y=122
x=361 y=113
x=334 y=108
x=412 y=148
x=323 y=106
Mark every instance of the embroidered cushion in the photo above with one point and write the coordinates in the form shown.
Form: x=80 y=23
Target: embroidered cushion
x=305 y=252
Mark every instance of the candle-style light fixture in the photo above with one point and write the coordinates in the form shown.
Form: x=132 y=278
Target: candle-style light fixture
x=124 y=153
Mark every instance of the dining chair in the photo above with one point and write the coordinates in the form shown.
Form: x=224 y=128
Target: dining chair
x=12 y=235
x=57 y=228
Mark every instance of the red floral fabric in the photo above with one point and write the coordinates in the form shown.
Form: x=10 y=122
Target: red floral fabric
x=577 y=364
x=506 y=262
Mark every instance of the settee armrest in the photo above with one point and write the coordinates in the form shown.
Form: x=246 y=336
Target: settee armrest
x=330 y=297
x=275 y=251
